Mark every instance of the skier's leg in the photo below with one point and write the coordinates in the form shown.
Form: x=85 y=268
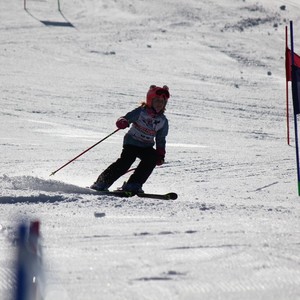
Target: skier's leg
x=148 y=161
x=118 y=168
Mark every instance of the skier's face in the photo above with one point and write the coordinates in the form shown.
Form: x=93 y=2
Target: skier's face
x=158 y=103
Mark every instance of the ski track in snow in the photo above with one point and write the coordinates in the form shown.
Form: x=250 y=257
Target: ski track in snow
x=233 y=232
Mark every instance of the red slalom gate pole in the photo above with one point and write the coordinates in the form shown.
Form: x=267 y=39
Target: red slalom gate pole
x=53 y=173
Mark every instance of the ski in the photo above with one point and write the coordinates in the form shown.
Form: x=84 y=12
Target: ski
x=125 y=194
x=168 y=196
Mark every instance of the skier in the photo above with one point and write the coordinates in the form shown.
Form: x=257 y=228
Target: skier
x=149 y=125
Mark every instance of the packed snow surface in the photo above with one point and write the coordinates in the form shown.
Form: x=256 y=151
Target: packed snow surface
x=66 y=76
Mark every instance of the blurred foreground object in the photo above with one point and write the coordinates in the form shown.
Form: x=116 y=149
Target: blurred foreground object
x=29 y=273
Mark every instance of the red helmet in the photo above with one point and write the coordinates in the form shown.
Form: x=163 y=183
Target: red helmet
x=155 y=91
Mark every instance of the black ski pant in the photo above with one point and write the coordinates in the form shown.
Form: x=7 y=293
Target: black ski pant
x=130 y=153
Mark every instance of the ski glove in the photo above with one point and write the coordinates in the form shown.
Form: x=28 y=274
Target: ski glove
x=122 y=123
x=160 y=156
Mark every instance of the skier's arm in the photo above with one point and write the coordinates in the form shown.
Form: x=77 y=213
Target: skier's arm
x=161 y=143
x=132 y=116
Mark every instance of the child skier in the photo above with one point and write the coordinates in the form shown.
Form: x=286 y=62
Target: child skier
x=149 y=126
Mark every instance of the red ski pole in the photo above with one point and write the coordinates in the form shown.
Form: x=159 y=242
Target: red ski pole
x=84 y=152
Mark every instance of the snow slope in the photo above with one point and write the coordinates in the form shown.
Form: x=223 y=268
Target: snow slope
x=233 y=233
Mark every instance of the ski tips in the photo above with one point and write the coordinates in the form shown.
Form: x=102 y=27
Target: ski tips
x=172 y=196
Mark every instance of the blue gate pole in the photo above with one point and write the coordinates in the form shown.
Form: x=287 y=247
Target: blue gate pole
x=295 y=114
